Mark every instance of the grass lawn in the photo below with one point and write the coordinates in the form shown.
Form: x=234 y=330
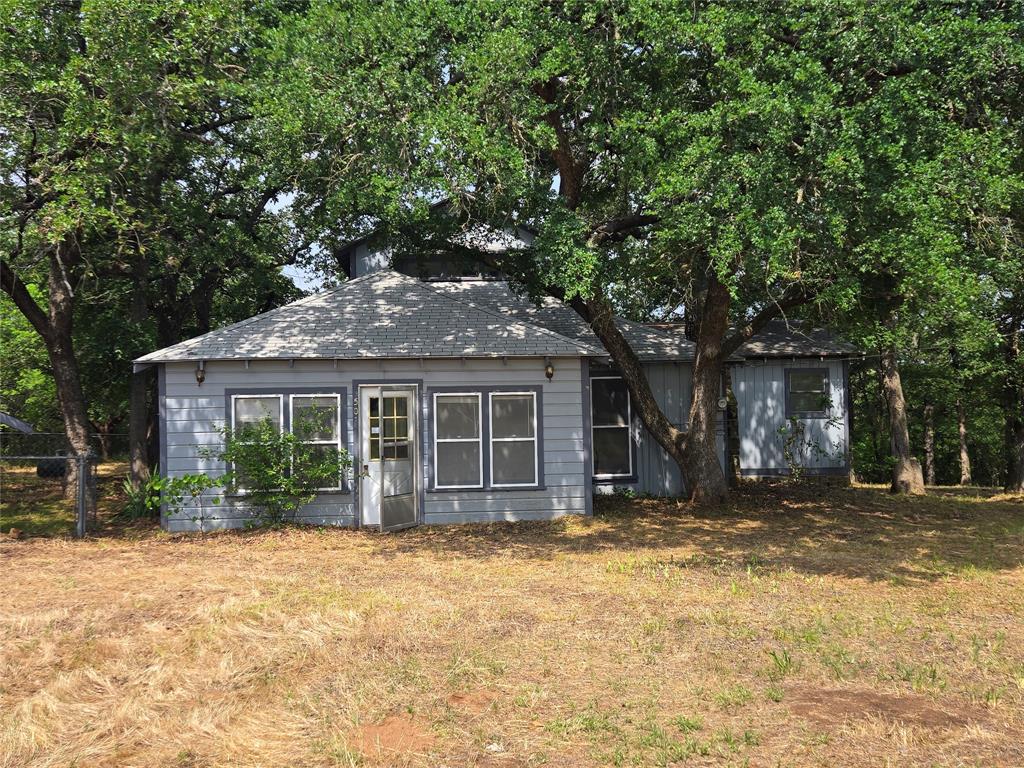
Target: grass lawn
x=832 y=627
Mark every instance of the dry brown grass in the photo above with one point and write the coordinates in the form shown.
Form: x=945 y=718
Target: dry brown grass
x=830 y=627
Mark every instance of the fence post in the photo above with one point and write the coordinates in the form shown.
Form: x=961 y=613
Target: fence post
x=83 y=467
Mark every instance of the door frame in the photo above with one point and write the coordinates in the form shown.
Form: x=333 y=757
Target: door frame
x=416 y=418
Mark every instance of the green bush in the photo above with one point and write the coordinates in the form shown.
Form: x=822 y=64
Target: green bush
x=276 y=471
x=145 y=500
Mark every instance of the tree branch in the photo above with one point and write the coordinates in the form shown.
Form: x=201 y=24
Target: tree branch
x=23 y=300
x=617 y=229
x=792 y=297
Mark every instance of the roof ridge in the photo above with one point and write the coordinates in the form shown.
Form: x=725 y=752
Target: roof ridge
x=507 y=318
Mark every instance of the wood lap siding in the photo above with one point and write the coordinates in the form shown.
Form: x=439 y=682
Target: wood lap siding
x=194 y=413
x=760 y=389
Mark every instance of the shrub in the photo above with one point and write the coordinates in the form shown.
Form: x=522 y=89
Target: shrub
x=145 y=500
x=278 y=471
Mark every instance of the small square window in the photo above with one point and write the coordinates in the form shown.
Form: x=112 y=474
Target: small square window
x=807 y=392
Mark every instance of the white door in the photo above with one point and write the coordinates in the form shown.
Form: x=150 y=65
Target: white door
x=389 y=485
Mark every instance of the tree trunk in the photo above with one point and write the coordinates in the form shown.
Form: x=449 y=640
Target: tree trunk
x=103 y=438
x=65 y=365
x=1013 y=409
x=138 y=412
x=705 y=480
x=906 y=472
x=1015 y=452
x=929 y=444
x=695 y=450
x=965 y=459
x=598 y=313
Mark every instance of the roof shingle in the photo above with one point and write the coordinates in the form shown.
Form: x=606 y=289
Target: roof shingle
x=381 y=315
x=793 y=338
x=649 y=343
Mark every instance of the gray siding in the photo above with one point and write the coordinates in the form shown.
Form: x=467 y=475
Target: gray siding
x=367 y=258
x=194 y=413
x=656 y=472
x=760 y=389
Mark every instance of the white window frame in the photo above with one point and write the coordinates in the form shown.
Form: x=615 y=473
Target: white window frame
x=479 y=439
x=264 y=396
x=628 y=426
x=493 y=439
x=336 y=442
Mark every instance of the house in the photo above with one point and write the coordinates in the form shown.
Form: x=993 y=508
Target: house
x=459 y=401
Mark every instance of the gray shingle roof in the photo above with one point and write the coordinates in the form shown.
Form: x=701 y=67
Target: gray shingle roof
x=648 y=343
x=384 y=314
x=781 y=338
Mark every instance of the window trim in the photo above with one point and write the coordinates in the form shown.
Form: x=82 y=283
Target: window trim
x=239 y=490
x=347 y=487
x=628 y=426
x=826 y=393
x=336 y=442
x=492 y=439
x=479 y=439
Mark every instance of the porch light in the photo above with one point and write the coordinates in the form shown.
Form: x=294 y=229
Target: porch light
x=549 y=369
x=200 y=373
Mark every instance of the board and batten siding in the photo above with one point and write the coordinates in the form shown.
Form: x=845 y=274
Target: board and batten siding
x=760 y=390
x=193 y=414
x=655 y=472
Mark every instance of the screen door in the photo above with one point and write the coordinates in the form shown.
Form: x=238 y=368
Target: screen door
x=390 y=484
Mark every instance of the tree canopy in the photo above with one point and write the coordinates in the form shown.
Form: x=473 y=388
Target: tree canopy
x=724 y=162
x=719 y=163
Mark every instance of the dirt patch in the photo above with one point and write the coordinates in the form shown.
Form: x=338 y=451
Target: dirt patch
x=474 y=701
x=827 y=706
x=397 y=733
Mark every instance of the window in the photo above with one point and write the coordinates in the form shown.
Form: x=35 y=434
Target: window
x=513 y=439
x=316 y=419
x=248 y=411
x=458 y=455
x=389 y=427
x=610 y=422
x=807 y=392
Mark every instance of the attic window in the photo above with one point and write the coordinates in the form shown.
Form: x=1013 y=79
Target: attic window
x=807 y=392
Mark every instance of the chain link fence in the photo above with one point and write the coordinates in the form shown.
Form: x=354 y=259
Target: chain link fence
x=45 y=487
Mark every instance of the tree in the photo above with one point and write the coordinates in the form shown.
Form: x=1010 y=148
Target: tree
x=120 y=147
x=715 y=158
x=26 y=386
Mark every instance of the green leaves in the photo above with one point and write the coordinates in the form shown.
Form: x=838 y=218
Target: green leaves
x=278 y=472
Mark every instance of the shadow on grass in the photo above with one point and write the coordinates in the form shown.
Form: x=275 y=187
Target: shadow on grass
x=854 y=532
x=859 y=532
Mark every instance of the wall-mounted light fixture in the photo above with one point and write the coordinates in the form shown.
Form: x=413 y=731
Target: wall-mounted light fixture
x=549 y=369
x=200 y=372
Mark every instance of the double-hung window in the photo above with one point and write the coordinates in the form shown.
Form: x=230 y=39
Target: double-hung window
x=513 y=439
x=316 y=421
x=611 y=418
x=807 y=392
x=249 y=411
x=458 y=444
